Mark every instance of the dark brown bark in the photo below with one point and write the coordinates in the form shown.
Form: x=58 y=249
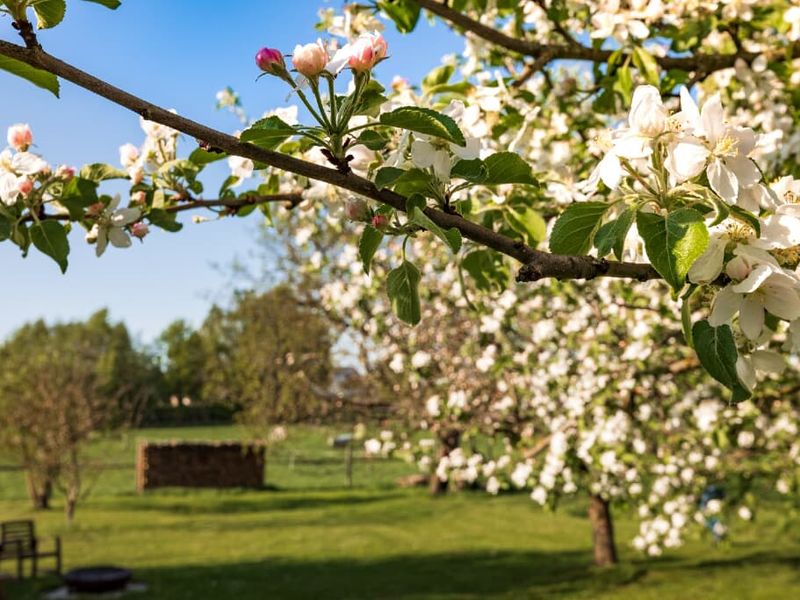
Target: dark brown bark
x=573 y=50
x=448 y=441
x=605 y=548
x=39 y=491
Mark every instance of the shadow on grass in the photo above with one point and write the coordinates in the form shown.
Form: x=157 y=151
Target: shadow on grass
x=231 y=504
x=466 y=576
x=461 y=575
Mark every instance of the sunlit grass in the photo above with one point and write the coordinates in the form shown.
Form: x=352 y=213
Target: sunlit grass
x=311 y=538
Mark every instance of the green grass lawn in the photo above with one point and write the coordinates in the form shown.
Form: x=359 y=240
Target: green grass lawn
x=312 y=538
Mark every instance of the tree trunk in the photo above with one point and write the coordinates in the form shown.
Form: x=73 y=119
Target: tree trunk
x=71 y=503
x=448 y=441
x=39 y=491
x=605 y=548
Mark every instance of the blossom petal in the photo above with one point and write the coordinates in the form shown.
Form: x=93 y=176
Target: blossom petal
x=753 y=281
x=119 y=237
x=712 y=121
x=723 y=181
x=686 y=159
x=751 y=317
x=708 y=267
x=782 y=302
x=726 y=304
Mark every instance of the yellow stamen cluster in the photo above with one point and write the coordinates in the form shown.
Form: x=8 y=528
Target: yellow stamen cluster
x=726 y=147
x=740 y=232
x=787 y=257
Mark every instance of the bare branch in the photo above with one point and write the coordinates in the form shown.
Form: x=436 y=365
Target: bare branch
x=538 y=264
x=576 y=51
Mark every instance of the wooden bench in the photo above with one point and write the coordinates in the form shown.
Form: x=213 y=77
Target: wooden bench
x=18 y=542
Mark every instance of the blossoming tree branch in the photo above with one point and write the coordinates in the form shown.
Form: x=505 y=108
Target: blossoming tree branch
x=681 y=191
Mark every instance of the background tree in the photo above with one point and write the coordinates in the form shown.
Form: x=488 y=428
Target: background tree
x=271 y=358
x=184 y=356
x=60 y=386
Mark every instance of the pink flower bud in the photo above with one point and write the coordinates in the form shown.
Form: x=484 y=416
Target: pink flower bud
x=138 y=197
x=20 y=137
x=65 y=172
x=367 y=51
x=95 y=210
x=139 y=230
x=25 y=186
x=310 y=60
x=380 y=221
x=356 y=209
x=271 y=61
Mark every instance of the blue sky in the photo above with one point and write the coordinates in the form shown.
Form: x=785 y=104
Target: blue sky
x=176 y=53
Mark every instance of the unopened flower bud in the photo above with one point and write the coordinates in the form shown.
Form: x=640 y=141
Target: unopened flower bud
x=139 y=230
x=25 y=186
x=271 y=61
x=356 y=209
x=65 y=173
x=95 y=210
x=310 y=60
x=380 y=221
x=20 y=137
x=367 y=51
x=138 y=197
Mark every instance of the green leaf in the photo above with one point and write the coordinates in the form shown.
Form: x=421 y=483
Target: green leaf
x=439 y=76
x=508 y=167
x=528 y=223
x=268 y=133
x=49 y=13
x=112 y=4
x=50 y=237
x=5 y=229
x=747 y=217
x=98 y=172
x=425 y=121
x=673 y=243
x=202 y=157
x=367 y=246
x=474 y=171
x=413 y=181
x=372 y=139
x=647 y=65
x=716 y=349
x=611 y=236
x=404 y=13
x=451 y=237
x=575 y=228
x=163 y=219
x=37 y=77
x=78 y=193
x=387 y=176
x=402 y=285
x=487 y=269
x=371 y=99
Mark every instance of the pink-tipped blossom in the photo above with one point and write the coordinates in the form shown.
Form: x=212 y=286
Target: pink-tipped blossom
x=25 y=186
x=356 y=209
x=65 y=172
x=367 y=51
x=138 y=197
x=20 y=137
x=270 y=60
x=139 y=230
x=380 y=221
x=310 y=60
